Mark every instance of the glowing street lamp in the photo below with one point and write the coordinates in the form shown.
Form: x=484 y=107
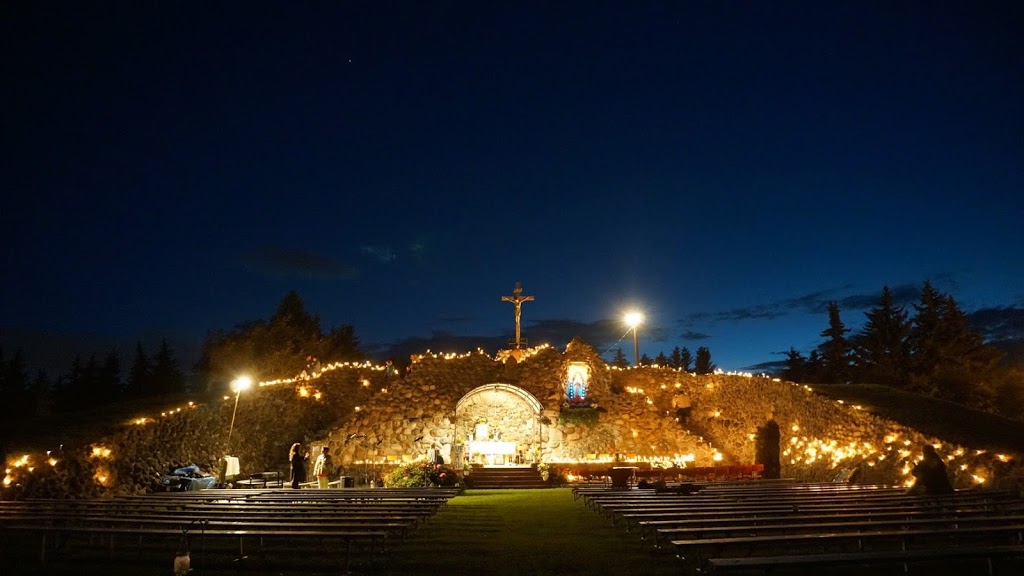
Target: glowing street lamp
x=633 y=319
x=238 y=384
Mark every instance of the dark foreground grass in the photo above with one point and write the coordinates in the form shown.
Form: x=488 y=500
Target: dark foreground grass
x=523 y=533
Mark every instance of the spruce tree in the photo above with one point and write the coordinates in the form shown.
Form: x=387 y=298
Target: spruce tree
x=620 y=359
x=661 y=359
x=645 y=360
x=836 y=351
x=881 y=352
x=140 y=376
x=796 y=366
x=167 y=377
x=703 y=364
x=109 y=382
x=685 y=360
x=923 y=339
x=676 y=358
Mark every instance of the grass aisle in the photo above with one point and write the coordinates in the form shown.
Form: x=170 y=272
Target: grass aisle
x=522 y=533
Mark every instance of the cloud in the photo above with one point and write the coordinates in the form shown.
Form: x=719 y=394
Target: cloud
x=438 y=341
x=279 y=261
x=998 y=323
x=810 y=303
x=379 y=253
x=772 y=367
x=693 y=335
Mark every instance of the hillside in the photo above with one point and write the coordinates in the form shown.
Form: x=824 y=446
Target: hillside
x=941 y=418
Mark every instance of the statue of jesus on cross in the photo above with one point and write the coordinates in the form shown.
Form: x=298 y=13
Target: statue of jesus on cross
x=517 y=299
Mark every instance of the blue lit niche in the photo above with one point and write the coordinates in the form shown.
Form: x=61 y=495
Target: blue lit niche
x=577 y=379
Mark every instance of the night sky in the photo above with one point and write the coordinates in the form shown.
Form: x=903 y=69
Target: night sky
x=727 y=168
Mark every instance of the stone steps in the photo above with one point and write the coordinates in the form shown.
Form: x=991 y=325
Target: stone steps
x=502 y=477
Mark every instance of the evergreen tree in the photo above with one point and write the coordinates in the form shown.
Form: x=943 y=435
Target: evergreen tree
x=881 y=350
x=645 y=360
x=703 y=364
x=620 y=359
x=685 y=360
x=109 y=382
x=676 y=358
x=14 y=392
x=836 y=350
x=275 y=348
x=339 y=345
x=948 y=359
x=140 y=377
x=814 y=369
x=923 y=338
x=42 y=396
x=661 y=359
x=796 y=366
x=167 y=377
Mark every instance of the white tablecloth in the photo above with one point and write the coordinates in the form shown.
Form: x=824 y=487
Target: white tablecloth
x=492 y=447
x=231 y=468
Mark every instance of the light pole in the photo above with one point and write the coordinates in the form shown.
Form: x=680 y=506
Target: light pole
x=633 y=319
x=238 y=384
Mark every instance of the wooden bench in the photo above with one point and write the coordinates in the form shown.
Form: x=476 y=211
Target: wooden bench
x=765 y=563
x=347 y=536
x=828 y=522
x=841 y=526
x=746 y=543
x=780 y=510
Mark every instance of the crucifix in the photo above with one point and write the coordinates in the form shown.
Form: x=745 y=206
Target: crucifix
x=517 y=298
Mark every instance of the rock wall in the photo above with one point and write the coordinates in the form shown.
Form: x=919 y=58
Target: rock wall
x=648 y=414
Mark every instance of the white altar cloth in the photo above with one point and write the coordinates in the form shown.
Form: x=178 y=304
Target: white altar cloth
x=492 y=447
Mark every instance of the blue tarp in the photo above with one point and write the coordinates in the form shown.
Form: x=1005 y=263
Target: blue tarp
x=189 y=478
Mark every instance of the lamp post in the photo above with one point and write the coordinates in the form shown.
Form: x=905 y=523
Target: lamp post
x=238 y=384
x=633 y=319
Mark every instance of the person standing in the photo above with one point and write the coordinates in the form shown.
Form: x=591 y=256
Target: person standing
x=323 y=468
x=298 y=464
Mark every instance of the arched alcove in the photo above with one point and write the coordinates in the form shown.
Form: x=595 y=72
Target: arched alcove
x=497 y=424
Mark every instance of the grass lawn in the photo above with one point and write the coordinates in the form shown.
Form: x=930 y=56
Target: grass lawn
x=521 y=533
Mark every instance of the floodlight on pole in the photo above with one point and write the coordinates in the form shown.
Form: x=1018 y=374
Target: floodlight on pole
x=238 y=384
x=633 y=319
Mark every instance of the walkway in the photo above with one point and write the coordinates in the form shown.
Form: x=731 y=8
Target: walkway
x=524 y=533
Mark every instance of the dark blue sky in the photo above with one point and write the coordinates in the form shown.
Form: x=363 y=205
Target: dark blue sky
x=726 y=167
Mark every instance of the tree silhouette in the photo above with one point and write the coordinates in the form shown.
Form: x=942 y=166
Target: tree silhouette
x=167 y=377
x=881 y=351
x=703 y=364
x=796 y=366
x=685 y=360
x=276 y=348
x=661 y=360
x=836 y=350
x=140 y=375
x=620 y=359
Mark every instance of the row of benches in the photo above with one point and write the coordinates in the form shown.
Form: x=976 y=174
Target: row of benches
x=766 y=526
x=310 y=518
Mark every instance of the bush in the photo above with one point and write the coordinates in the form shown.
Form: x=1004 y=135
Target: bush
x=422 y=474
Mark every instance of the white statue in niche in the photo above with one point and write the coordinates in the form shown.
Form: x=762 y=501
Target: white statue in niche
x=576 y=382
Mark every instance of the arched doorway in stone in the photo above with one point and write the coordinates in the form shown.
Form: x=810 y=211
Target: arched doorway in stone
x=767 y=449
x=496 y=425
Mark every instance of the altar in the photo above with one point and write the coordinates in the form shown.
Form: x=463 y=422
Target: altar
x=494 y=452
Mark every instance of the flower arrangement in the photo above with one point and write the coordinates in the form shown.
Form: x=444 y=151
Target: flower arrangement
x=422 y=474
